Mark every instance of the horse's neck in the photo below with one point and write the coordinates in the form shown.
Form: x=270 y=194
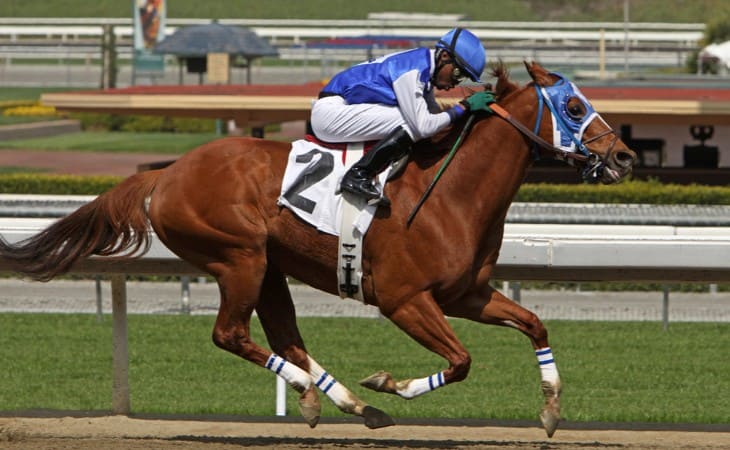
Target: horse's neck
x=492 y=167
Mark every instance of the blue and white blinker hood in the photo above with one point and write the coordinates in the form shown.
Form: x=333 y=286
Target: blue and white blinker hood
x=567 y=130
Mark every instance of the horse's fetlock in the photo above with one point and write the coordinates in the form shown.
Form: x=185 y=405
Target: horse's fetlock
x=460 y=369
x=551 y=390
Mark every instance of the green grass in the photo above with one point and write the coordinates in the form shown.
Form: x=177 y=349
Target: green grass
x=644 y=10
x=12 y=170
x=12 y=120
x=611 y=371
x=90 y=141
x=29 y=93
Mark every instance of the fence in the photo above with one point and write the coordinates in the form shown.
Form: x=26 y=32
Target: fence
x=557 y=44
x=529 y=252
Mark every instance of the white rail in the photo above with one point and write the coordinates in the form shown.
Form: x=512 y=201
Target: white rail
x=294 y=30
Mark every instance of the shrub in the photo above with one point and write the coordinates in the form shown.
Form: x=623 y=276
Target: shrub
x=33 y=110
x=56 y=184
x=144 y=124
x=652 y=192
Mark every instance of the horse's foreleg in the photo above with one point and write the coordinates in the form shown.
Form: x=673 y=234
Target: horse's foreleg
x=422 y=320
x=494 y=308
x=278 y=319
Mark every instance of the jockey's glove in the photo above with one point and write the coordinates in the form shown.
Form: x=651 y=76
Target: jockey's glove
x=479 y=101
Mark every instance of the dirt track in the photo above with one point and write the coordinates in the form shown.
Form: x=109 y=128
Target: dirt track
x=121 y=432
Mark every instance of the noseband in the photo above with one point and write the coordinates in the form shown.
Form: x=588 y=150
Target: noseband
x=592 y=164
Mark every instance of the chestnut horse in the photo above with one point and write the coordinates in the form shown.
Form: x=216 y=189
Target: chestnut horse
x=216 y=207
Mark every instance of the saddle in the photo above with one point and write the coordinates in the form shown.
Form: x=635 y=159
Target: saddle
x=310 y=189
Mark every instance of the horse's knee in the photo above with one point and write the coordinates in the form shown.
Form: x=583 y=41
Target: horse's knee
x=460 y=368
x=535 y=328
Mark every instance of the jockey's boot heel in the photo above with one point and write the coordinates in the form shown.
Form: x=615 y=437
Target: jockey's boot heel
x=359 y=179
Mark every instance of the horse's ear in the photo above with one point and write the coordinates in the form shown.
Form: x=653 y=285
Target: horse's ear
x=538 y=74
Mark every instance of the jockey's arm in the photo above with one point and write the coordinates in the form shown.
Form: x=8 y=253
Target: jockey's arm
x=434 y=106
x=415 y=109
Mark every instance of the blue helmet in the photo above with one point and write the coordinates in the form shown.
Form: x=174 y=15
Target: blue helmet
x=466 y=49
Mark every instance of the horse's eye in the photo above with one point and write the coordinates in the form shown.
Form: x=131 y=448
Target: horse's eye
x=575 y=108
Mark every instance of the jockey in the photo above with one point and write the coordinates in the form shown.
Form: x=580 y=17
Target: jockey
x=391 y=99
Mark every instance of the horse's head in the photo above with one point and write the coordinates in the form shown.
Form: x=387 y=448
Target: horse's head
x=578 y=134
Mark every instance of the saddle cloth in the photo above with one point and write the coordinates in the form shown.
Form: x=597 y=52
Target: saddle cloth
x=310 y=188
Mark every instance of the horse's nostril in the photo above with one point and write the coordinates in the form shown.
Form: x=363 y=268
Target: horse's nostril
x=625 y=159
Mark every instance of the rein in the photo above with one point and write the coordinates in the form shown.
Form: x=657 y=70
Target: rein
x=464 y=131
x=560 y=153
x=592 y=164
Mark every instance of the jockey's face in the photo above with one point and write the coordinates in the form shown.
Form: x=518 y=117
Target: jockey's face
x=449 y=75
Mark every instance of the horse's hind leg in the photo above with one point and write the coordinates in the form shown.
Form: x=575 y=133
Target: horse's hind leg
x=494 y=308
x=276 y=313
x=240 y=285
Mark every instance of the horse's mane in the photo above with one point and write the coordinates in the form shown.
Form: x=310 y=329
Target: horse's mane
x=442 y=141
x=504 y=86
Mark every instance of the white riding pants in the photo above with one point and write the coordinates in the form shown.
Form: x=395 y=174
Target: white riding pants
x=333 y=120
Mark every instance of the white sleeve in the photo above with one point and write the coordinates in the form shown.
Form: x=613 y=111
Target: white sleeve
x=414 y=108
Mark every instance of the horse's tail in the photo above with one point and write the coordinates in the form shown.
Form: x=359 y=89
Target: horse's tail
x=115 y=222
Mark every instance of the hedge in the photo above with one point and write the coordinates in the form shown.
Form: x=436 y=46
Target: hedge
x=23 y=183
x=651 y=192
x=140 y=123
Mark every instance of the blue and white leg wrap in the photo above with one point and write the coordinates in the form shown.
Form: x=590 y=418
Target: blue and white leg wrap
x=335 y=391
x=325 y=382
x=420 y=386
x=548 y=369
x=290 y=373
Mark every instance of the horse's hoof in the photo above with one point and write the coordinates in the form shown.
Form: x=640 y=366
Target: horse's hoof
x=309 y=407
x=375 y=418
x=550 y=414
x=550 y=420
x=379 y=382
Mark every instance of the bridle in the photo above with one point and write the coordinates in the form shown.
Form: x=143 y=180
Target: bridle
x=592 y=164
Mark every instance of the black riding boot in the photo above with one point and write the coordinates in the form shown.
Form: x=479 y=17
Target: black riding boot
x=359 y=179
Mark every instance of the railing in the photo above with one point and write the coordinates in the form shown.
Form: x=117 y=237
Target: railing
x=529 y=252
x=657 y=44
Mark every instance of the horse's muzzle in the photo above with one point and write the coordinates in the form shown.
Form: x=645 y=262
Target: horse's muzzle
x=616 y=166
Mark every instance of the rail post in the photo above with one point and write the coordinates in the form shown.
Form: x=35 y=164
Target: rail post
x=120 y=358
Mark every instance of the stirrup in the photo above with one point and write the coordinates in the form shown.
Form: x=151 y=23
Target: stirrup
x=362 y=186
x=357 y=190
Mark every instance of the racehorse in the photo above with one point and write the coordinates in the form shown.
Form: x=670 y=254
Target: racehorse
x=216 y=207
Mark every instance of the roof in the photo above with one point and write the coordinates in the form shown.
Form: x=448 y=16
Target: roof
x=200 y=40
